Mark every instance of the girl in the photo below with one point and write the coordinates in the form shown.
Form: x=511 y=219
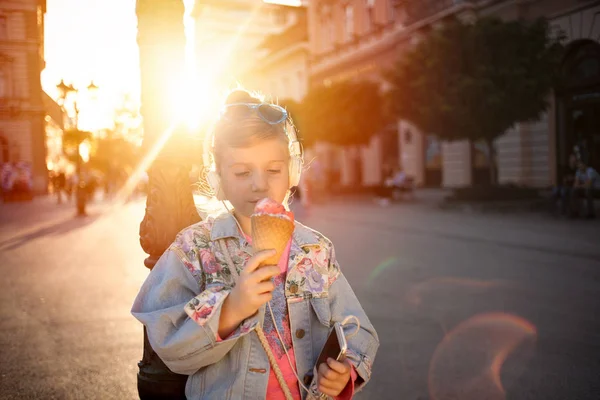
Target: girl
x=204 y=302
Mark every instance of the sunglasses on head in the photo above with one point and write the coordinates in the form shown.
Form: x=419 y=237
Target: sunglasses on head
x=270 y=113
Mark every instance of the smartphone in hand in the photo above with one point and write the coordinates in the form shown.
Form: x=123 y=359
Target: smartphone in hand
x=335 y=347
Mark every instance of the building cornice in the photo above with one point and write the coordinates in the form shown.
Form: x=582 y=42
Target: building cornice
x=273 y=58
x=378 y=41
x=572 y=10
x=18 y=43
x=239 y=5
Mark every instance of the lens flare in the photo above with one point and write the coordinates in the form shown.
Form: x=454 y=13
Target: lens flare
x=134 y=179
x=437 y=286
x=467 y=363
x=384 y=265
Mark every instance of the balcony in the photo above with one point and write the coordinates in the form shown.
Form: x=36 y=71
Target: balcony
x=10 y=106
x=415 y=14
x=360 y=46
x=422 y=9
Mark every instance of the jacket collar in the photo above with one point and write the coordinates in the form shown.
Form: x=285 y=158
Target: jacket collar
x=225 y=226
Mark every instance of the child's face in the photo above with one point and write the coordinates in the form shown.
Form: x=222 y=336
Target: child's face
x=253 y=173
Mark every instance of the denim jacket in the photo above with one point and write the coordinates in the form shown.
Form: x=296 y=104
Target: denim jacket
x=180 y=305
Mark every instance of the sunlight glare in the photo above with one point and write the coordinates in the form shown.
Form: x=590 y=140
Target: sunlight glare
x=223 y=55
x=192 y=97
x=84 y=151
x=194 y=102
x=132 y=182
x=292 y=3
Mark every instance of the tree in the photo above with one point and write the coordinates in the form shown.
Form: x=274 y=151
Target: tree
x=117 y=150
x=346 y=113
x=295 y=111
x=71 y=140
x=475 y=81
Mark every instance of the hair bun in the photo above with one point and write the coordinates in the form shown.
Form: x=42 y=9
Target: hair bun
x=241 y=96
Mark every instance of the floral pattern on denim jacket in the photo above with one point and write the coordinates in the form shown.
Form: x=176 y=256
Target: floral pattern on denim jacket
x=311 y=271
x=206 y=262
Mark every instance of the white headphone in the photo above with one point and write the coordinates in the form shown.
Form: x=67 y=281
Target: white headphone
x=295 y=166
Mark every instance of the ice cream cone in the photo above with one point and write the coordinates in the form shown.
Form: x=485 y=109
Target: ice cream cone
x=271 y=232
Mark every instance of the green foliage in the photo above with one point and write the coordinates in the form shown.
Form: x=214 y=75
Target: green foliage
x=74 y=137
x=115 y=153
x=475 y=81
x=345 y=113
x=71 y=140
x=295 y=111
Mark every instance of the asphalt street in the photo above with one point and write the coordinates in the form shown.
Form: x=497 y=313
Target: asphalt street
x=467 y=305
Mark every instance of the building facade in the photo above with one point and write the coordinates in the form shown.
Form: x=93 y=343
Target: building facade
x=228 y=39
x=361 y=39
x=535 y=154
x=22 y=112
x=282 y=72
x=356 y=40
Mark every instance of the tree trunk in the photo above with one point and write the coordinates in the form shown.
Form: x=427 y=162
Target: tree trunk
x=492 y=159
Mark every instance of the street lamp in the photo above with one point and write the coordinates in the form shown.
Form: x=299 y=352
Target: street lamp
x=92 y=88
x=65 y=91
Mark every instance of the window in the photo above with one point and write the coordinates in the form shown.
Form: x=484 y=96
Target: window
x=3 y=28
x=331 y=32
x=325 y=39
x=370 y=15
x=300 y=87
x=4 y=150
x=349 y=22
x=3 y=85
x=391 y=10
x=326 y=28
x=407 y=136
x=278 y=17
x=582 y=65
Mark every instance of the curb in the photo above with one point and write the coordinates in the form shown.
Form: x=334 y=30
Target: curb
x=534 y=206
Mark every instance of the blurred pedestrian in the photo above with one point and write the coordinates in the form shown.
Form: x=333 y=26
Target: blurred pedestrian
x=562 y=192
x=316 y=179
x=383 y=192
x=395 y=182
x=587 y=180
x=70 y=186
x=60 y=185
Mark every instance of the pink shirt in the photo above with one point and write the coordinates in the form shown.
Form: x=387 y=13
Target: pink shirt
x=280 y=311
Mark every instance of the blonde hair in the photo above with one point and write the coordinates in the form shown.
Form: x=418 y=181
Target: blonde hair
x=237 y=133
x=243 y=132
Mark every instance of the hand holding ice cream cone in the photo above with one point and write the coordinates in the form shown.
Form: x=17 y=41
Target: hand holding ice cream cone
x=272 y=228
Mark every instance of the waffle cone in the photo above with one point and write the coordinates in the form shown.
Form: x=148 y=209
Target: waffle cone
x=269 y=232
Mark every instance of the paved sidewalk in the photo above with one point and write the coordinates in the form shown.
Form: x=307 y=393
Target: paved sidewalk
x=21 y=217
x=436 y=198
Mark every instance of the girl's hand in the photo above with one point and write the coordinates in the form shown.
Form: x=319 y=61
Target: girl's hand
x=254 y=287
x=333 y=376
